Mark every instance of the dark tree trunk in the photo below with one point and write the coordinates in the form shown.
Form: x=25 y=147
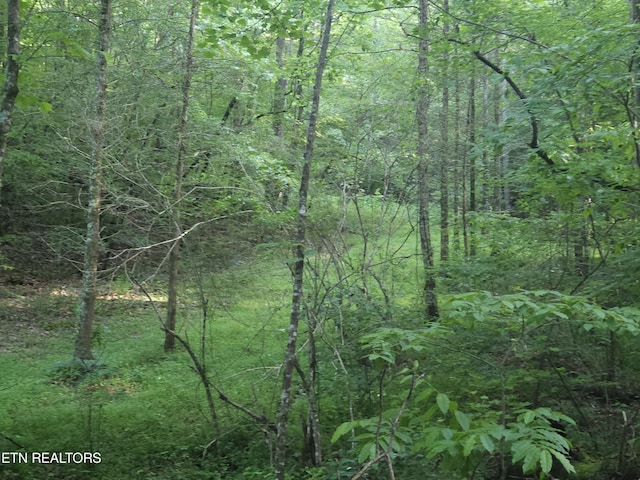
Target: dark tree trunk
x=11 y=82
x=471 y=167
x=290 y=359
x=92 y=242
x=314 y=439
x=422 y=109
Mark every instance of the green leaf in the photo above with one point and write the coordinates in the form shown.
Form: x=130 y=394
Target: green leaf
x=45 y=107
x=521 y=449
x=368 y=452
x=531 y=460
x=443 y=402
x=263 y=52
x=341 y=430
x=563 y=461
x=528 y=416
x=487 y=442
x=463 y=420
x=545 y=461
x=468 y=445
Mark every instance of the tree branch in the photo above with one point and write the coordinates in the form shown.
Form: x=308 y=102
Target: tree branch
x=532 y=118
x=199 y=368
x=12 y=441
x=528 y=39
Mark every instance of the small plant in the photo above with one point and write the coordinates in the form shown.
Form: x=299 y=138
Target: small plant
x=72 y=372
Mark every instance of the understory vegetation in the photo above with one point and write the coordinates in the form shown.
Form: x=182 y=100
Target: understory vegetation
x=510 y=378
x=320 y=240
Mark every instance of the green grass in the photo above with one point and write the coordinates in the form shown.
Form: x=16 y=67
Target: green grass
x=145 y=411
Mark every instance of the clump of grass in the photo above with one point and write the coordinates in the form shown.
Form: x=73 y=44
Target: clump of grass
x=74 y=371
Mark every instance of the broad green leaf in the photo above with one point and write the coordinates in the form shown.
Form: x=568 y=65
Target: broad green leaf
x=443 y=402
x=563 y=461
x=368 y=452
x=528 y=416
x=468 y=445
x=439 y=447
x=521 y=449
x=545 y=461
x=463 y=420
x=487 y=442
x=531 y=460
x=341 y=430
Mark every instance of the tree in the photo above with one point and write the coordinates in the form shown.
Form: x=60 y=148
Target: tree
x=422 y=122
x=172 y=297
x=290 y=359
x=635 y=72
x=92 y=250
x=10 y=91
x=445 y=146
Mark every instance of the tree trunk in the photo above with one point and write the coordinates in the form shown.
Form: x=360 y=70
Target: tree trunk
x=458 y=197
x=422 y=109
x=504 y=160
x=298 y=110
x=290 y=358
x=92 y=242
x=174 y=254
x=471 y=136
x=280 y=91
x=444 y=151
x=11 y=82
x=314 y=417
x=581 y=250
x=635 y=78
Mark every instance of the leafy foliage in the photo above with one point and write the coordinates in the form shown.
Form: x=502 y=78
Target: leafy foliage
x=538 y=295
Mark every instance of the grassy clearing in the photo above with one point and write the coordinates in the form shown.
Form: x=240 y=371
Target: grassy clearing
x=142 y=409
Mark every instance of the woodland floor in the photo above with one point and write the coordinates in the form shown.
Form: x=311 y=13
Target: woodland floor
x=38 y=301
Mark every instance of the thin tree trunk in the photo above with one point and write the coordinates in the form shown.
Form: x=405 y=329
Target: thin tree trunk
x=92 y=242
x=298 y=111
x=581 y=250
x=458 y=197
x=174 y=254
x=635 y=77
x=279 y=94
x=444 y=155
x=485 y=119
x=314 y=416
x=290 y=358
x=11 y=82
x=471 y=135
x=504 y=161
x=422 y=109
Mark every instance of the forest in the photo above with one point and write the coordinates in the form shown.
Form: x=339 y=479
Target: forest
x=320 y=239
